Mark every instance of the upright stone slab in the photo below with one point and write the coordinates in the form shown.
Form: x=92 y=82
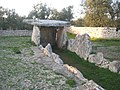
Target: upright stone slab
x=48 y=35
x=81 y=45
x=36 y=35
x=61 y=37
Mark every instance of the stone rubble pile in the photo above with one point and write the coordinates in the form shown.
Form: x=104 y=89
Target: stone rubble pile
x=53 y=61
x=81 y=45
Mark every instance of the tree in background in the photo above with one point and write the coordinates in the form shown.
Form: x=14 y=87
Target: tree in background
x=78 y=23
x=9 y=19
x=66 y=14
x=41 y=11
x=97 y=13
x=116 y=13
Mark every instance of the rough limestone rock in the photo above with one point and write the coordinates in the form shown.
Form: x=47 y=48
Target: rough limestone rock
x=81 y=45
x=91 y=85
x=36 y=35
x=105 y=63
x=99 y=60
x=114 y=66
x=70 y=44
x=65 y=38
x=56 y=58
x=41 y=48
x=61 y=38
x=76 y=72
x=48 y=50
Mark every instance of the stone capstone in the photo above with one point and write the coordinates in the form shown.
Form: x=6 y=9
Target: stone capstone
x=114 y=66
x=36 y=35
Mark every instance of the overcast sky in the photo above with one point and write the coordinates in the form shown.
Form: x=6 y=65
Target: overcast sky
x=23 y=7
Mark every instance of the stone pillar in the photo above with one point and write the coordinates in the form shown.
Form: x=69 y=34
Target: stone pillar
x=60 y=37
x=36 y=35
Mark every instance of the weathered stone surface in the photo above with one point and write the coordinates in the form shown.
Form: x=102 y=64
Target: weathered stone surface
x=41 y=47
x=47 y=23
x=48 y=50
x=81 y=45
x=91 y=85
x=105 y=63
x=70 y=44
x=64 y=69
x=56 y=58
x=76 y=72
x=99 y=60
x=65 y=38
x=61 y=37
x=114 y=66
x=36 y=35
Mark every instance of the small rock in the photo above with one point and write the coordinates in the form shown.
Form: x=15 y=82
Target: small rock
x=48 y=50
x=114 y=66
x=91 y=85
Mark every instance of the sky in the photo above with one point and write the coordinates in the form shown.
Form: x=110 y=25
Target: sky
x=23 y=7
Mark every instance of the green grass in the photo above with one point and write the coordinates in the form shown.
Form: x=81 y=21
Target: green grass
x=106 y=42
x=70 y=35
x=99 y=41
x=71 y=82
x=104 y=77
x=19 y=73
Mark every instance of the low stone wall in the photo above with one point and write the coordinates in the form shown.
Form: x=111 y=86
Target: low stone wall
x=15 y=32
x=97 y=32
x=82 y=46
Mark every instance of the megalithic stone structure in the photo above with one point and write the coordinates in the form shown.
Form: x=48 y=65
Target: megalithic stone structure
x=49 y=31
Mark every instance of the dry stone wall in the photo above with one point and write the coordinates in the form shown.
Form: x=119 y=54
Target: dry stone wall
x=81 y=45
x=15 y=32
x=97 y=32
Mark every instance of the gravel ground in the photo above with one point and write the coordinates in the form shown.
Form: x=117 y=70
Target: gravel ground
x=19 y=72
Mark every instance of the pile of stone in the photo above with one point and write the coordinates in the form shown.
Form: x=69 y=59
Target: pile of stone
x=81 y=45
x=53 y=61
